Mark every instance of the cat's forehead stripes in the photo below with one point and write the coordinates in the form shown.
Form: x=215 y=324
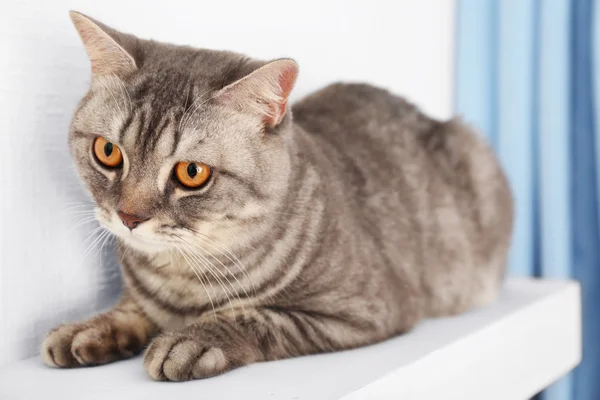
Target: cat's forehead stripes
x=156 y=128
x=162 y=112
x=151 y=134
x=126 y=124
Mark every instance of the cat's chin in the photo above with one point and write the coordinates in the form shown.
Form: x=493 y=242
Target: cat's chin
x=144 y=246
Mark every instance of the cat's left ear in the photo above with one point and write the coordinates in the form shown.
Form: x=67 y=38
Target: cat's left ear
x=106 y=54
x=264 y=92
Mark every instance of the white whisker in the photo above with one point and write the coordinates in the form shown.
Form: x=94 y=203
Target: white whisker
x=223 y=265
x=191 y=265
x=80 y=212
x=101 y=249
x=209 y=267
x=95 y=242
x=125 y=90
x=118 y=109
x=121 y=246
x=195 y=109
x=81 y=223
x=79 y=203
x=231 y=256
x=185 y=110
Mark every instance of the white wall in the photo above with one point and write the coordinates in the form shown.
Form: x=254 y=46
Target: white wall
x=406 y=46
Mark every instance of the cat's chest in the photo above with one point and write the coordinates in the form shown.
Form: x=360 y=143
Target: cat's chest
x=170 y=291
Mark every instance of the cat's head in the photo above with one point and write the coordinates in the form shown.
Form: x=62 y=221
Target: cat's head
x=176 y=143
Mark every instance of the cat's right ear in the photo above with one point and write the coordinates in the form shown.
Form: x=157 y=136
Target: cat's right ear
x=106 y=55
x=263 y=92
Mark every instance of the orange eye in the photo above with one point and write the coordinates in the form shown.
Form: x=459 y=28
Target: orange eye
x=192 y=175
x=107 y=153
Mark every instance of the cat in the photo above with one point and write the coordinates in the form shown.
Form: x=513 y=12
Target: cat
x=253 y=230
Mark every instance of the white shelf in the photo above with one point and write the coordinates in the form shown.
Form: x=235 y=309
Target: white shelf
x=530 y=337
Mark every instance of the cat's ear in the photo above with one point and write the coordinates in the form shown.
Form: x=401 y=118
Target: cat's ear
x=106 y=55
x=264 y=92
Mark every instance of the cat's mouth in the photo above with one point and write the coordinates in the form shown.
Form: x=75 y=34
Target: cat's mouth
x=142 y=237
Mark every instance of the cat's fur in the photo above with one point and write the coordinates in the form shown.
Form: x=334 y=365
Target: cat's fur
x=341 y=225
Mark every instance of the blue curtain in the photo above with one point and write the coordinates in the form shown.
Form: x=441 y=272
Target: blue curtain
x=528 y=75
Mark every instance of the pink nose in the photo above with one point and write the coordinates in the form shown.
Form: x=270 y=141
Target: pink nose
x=131 y=221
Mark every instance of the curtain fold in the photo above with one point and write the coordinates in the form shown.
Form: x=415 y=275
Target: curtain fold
x=515 y=119
x=553 y=149
x=476 y=70
x=528 y=76
x=584 y=224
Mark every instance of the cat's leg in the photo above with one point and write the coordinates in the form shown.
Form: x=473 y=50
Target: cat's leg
x=216 y=344
x=114 y=335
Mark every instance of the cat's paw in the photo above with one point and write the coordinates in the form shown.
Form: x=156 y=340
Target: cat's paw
x=176 y=356
x=95 y=343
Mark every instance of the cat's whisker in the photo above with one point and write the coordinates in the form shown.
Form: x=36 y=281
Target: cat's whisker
x=84 y=207
x=102 y=244
x=79 y=206
x=171 y=259
x=191 y=265
x=81 y=202
x=206 y=264
x=187 y=114
x=118 y=109
x=125 y=90
x=185 y=110
x=78 y=216
x=98 y=239
x=97 y=244
x=230 y=255
x=122 y=245
x=195 y=111
x=196 y=265
x=72 y=210
x=191 y=114
x=75 y=213
x=234 y=292
x=209 y=267
x=81 y=223
x=91 y=235
x=223 y=265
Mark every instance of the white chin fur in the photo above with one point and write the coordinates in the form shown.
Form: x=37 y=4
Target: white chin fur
x=137 y=239
x=143 y=246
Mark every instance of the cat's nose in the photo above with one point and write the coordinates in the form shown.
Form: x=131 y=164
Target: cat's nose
x=131 y=221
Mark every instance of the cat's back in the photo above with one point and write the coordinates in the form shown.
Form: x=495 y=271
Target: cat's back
x=351 y=113
x=369 y=139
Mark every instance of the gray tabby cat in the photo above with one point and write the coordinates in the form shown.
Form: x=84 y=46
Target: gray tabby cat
x=250 y=234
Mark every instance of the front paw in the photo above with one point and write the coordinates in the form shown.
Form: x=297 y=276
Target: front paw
x=94 y=343
x=178 y=356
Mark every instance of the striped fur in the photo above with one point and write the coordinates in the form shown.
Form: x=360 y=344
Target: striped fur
x=347 y=222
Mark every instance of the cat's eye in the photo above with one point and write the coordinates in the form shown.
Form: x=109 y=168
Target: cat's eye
x=192 y=174
x=107 y=153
